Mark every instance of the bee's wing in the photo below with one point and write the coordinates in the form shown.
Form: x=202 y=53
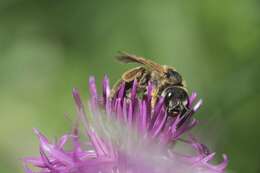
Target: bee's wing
x=132 y=74
x=128 y=58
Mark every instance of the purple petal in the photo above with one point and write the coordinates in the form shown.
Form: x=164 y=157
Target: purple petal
x=45 y=160
x=144 y=116
x=26 y=169
x=106 y=88
x=53 y=151
x=130 y=113
x=98 y=144
x=119 y=110
x=159 y=123
x=80 y=108
x=133 y=91
x=156 y=111
x=92 y=87
x=62 y=141
x=192 y=98
x=197 y=106
x=125 y=110
x=121 y=91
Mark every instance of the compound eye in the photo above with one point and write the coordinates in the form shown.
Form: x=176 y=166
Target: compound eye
x=174 y=75
x=183 y=96
x=176 y=99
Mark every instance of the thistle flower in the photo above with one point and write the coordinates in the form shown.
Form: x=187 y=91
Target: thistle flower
x=125 y=135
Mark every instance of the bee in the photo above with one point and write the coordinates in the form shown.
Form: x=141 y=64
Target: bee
x=166 y=81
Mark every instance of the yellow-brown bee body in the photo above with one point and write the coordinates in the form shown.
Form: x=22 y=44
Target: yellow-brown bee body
x=166 y=82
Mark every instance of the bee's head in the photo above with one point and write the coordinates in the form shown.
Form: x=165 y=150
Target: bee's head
x=176 y=100
x=173 y=76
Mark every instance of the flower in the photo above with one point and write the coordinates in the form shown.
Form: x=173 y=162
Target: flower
x=125 y=135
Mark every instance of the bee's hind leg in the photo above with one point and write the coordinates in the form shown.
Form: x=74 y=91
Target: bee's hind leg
x=116 y=88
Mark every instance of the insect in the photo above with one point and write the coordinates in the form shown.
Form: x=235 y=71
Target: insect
x=166 y=81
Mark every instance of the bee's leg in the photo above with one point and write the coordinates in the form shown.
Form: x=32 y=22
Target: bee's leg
x=144 y=79
x=118 y=84
x=154 y=97
x=115 y=88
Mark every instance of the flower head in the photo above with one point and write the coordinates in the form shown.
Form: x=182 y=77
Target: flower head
x=126 y=135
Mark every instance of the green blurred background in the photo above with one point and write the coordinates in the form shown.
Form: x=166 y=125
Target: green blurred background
x=47 y=47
